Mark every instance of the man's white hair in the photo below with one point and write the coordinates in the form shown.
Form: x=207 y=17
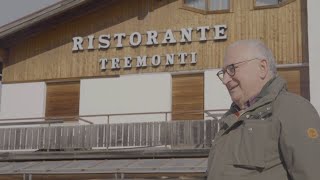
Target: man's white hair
x=261 y=51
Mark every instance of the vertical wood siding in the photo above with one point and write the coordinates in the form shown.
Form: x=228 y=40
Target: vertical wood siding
x=187 y=96
x=63 y=99
x=297 y=80
x=48 y=55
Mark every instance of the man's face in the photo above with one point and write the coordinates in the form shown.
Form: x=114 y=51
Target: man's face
x=246 y=82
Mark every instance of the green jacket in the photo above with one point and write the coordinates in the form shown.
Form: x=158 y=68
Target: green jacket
x=274 y=139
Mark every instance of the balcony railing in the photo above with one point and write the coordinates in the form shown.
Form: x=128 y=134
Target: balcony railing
x=187 y=133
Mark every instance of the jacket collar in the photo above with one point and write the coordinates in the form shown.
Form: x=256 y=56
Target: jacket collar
x=268 y=93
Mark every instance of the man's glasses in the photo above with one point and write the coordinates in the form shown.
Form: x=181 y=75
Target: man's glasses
x=231 y=69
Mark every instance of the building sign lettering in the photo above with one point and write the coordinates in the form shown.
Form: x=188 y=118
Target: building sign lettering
x=149 y=38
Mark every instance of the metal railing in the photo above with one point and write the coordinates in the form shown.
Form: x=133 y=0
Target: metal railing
x=84 y=118
x=191 y=133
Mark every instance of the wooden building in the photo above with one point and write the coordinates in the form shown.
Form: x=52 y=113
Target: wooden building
x=43 y=47
x=125 y=61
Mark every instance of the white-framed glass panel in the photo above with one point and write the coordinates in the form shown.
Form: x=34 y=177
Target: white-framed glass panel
x=198 y=4
x=268 y=2
x=216 y=5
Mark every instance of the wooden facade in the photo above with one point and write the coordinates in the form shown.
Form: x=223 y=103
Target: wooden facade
x=48 y=55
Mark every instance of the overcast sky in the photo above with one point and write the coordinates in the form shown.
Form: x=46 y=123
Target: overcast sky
x=11 y=10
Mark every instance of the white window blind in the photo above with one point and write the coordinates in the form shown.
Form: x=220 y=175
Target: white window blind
x=267 y=2
x=215 y=5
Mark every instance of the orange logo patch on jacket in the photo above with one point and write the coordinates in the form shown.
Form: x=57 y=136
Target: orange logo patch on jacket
x=312 y=133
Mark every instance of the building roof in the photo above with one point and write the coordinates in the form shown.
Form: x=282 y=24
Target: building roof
x=155 y=162
x=46 y=18
x=173 y=168
x=171 y=165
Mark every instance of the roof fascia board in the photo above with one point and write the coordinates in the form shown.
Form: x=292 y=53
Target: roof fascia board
x=39 y=16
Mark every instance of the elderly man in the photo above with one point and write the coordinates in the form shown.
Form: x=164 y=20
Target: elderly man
x=268 y=133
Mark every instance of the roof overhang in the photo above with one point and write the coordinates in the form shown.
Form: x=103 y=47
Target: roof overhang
x=113 y=166
x=155 y=162
x=46 y=18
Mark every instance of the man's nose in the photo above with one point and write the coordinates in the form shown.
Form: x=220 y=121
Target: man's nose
x=226 y=78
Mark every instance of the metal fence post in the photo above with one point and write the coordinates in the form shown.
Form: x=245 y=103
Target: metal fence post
x=108 y=125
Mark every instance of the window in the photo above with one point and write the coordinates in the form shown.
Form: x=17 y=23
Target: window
x=264 y=3
x=215 y=5
x=207 y=5
x=198 y=4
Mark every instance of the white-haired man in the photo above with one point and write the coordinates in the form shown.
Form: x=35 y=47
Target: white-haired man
x=268 y=133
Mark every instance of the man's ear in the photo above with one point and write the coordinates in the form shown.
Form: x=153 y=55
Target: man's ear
x=263 y=68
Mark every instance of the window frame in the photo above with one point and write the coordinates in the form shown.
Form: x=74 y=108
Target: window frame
x=283 y=3
x=206 y=10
